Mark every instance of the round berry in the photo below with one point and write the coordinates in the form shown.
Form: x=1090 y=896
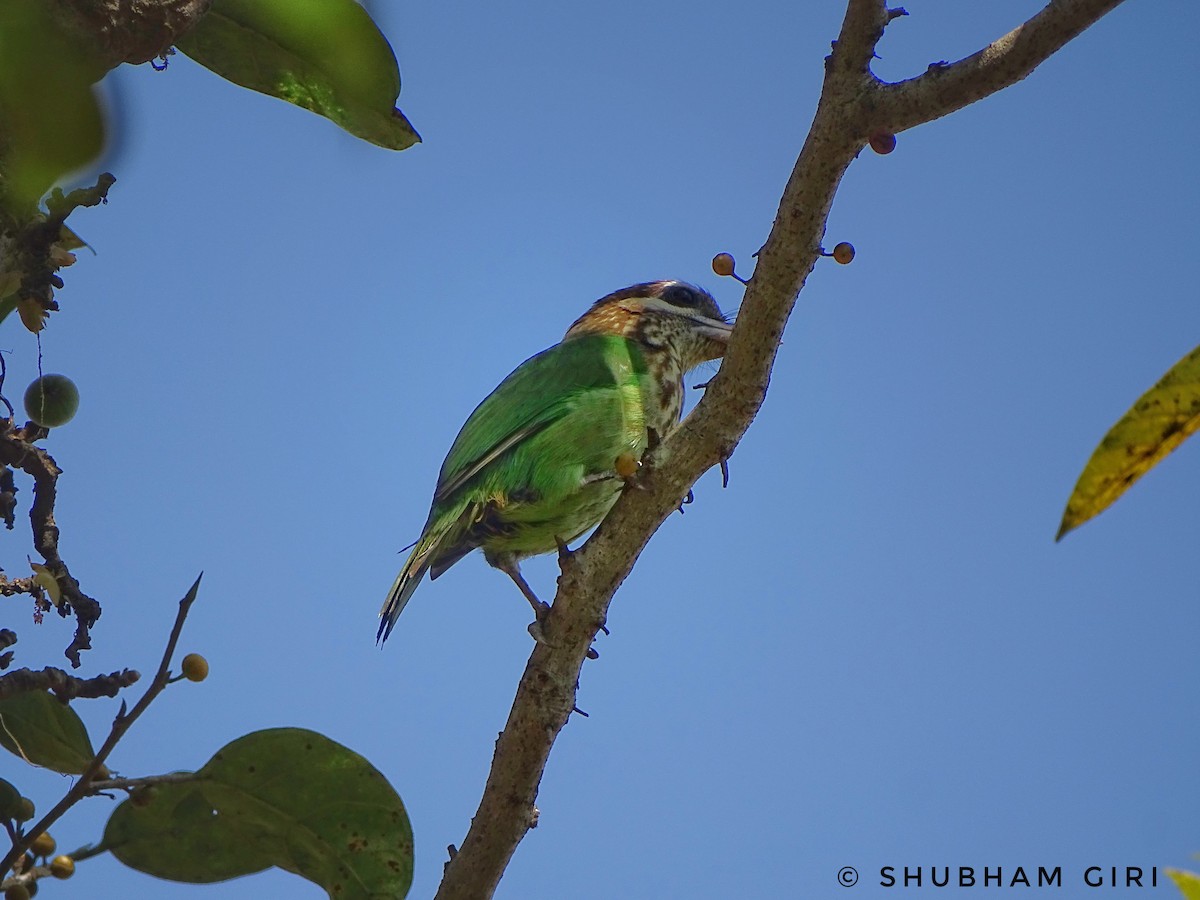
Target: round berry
x=62 y=867
x=723 y=264
x=883 y=142
x=195 y=667
x=43 y=844
x=52 y=400
x=843 y=253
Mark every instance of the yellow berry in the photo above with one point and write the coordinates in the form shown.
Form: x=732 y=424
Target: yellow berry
x=883 y=142
x=843 y=253
x=43 y=844
x=25 y=810
x=195 y=667
x=62 y=867
x=723 y=264
x=17 y=892
x=626 y=465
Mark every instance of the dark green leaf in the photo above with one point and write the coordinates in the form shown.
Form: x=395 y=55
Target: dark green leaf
x=1160 y=420
x=45 y=732
x=52 y=123
x=285 y=797
x=9 y=797
x=324 y=55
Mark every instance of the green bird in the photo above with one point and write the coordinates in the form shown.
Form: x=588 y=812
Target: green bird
x=544 y=457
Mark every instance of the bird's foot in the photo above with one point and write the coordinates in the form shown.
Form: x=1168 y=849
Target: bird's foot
x=626 y=466
x=540 y=612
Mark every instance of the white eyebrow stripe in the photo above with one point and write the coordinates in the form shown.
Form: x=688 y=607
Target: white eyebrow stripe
x=687 y=312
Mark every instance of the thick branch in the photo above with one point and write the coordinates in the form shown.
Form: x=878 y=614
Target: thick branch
x=847 y=114
x=945 y=88
x=131 y=31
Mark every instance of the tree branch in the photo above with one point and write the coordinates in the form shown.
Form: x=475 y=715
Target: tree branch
x=853 y=105
x=942 y=89
x=65 y=687
x=18 y=450
x=131 y=31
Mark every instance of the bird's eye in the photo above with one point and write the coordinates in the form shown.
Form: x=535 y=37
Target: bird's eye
x=681 y=295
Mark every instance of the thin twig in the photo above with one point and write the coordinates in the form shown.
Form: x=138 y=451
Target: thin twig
x=128 y=784
x=120 y=725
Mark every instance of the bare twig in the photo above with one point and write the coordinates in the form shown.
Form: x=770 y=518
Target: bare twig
x=853 y=104
x=8 y=586
x=65 y=687
x=121 y=724
x=18 y=450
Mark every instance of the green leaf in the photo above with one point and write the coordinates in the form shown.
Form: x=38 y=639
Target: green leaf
x=1158 y=422
x=52 y=122
x=9 y=798
x=324 y=55
x=1187 y=882
x=45 y=732
x=286 y=797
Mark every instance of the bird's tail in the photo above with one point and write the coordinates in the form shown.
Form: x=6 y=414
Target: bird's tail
x=406 y=582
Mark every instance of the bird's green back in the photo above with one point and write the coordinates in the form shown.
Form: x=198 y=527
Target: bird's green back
x=589 y=377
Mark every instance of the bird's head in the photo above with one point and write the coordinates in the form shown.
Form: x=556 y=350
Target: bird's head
x=671 y=316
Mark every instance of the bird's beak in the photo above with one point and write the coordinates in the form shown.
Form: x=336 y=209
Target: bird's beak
x=717 y=333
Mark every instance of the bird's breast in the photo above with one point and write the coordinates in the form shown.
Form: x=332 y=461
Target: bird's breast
x=663 y=401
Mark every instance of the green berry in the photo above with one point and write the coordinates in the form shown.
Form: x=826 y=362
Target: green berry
x=25 y=810
x=43 y=844
x=52 y=400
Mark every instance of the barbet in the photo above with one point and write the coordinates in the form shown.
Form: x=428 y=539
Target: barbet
x=544 y=457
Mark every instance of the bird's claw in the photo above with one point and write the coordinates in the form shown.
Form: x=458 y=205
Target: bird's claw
x=541 y=610
x=564 y=552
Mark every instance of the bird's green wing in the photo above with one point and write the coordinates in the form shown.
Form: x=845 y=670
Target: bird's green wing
x=538 y=393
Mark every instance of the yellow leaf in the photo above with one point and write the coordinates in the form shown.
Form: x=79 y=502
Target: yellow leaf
x=60 y=256
x=43 y=577
x=33 y=314
x=69 y=240
x=1160 y=420
x=1187 y=882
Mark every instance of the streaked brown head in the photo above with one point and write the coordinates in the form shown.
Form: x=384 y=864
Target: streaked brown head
x=670 y=316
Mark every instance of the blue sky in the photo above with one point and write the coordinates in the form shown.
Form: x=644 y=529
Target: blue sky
x=867 y=651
